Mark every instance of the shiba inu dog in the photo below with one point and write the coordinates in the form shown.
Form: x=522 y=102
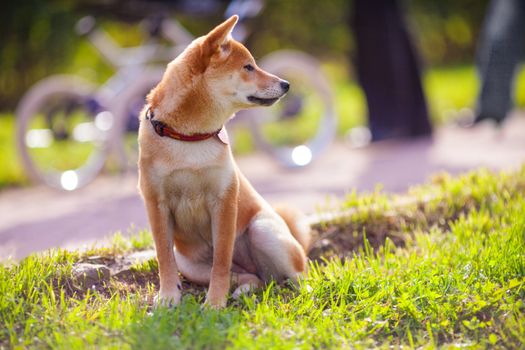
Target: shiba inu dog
x=196 y=198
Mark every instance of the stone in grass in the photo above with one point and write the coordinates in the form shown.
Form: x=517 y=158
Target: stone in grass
x=126 y=271
x=141 y=256
x=86 y=275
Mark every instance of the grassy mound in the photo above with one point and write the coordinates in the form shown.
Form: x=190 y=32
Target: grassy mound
x=442 y=265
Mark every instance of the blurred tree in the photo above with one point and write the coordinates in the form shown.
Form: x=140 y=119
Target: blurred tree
x=39 y=39
x=446 y=31
x=317 y=27
x=388 y=71
x=36 y=41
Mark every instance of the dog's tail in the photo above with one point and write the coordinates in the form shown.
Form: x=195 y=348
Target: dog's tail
x=298 y=224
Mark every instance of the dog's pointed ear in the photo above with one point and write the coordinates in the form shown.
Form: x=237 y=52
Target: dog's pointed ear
x=218 y=39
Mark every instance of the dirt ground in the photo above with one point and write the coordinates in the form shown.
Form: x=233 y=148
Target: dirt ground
x=37 y=218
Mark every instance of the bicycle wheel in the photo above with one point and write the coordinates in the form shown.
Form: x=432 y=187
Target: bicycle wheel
x=61 y=132
x=131 y=103
x=298 y=128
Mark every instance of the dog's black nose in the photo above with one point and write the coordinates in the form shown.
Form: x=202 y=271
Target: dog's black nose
x=285 y=85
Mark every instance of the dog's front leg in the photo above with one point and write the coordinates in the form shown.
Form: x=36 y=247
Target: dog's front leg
x=162 y=226
x=224 y=221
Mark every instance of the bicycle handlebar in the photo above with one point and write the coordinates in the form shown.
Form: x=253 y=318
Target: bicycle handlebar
x=85 y=25
x=244 y=9
x=160 y=26
x=118 y=56
x=174 y=32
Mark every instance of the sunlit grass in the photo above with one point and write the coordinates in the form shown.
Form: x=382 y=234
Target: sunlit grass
x=457 y=282
x=61 y=155
x=63 y=152
x=11 y=172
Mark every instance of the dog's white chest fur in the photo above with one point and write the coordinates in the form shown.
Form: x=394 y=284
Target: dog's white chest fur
x=193 y=195
x=193 y=181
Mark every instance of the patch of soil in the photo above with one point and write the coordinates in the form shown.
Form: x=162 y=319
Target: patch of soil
x=342 y=237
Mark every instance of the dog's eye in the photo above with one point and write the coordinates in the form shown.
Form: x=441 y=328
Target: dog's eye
x=249 y=67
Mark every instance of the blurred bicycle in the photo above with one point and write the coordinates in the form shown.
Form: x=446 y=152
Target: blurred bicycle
x=67 y=127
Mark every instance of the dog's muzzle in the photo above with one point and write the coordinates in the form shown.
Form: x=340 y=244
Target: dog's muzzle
x=262 y=101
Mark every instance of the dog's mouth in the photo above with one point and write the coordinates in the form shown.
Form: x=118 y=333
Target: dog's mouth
x=262 y=101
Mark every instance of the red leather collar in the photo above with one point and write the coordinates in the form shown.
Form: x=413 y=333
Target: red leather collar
x=165 y=130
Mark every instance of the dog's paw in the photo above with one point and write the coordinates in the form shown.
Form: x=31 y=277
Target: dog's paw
x=168 y=299
x=242 y=289
x=215 y=302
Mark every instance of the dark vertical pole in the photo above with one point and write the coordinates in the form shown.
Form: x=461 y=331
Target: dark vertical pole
x=502 y=45
x=388 y=71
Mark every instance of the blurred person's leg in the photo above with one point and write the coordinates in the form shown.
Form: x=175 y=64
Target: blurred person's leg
x=388 y=71
x=502 y=45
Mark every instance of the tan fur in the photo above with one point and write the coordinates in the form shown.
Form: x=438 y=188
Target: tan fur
x=196 y=198
x=298 y=224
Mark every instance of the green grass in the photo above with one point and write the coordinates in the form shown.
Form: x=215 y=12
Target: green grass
x=455 y=279
x=11 y=172
x=71 y=154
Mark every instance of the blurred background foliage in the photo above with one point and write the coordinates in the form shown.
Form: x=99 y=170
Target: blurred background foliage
x=39 y=37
